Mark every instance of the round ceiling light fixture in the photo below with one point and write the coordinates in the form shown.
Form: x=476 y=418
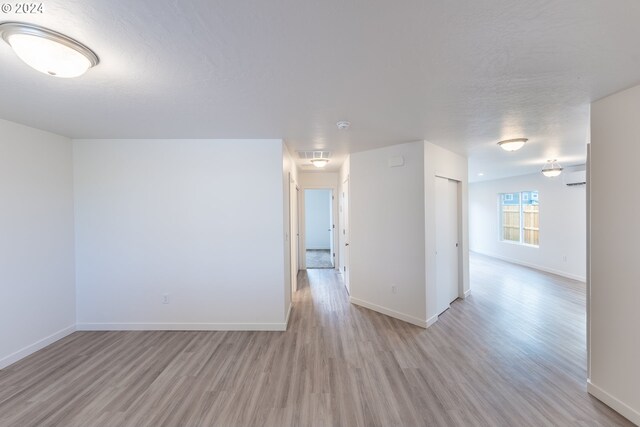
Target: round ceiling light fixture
x=343 y=124
x=48 y=51
x=512 y=144
x=319 y=163
x=552 y=169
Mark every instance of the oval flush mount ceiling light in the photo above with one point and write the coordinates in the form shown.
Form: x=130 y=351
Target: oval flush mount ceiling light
x=48 y=51
x=512 y=144
x=343 y=124
x=552 y=168
x=319 y=163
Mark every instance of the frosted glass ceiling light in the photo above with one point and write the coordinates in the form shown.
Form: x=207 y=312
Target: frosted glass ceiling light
x=319 y=163
x=512 y=144
x=48 y=51
x=552 y=168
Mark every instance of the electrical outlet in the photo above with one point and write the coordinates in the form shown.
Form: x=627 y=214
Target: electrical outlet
x=394 y=289
x=165 y=298
x=564 y=258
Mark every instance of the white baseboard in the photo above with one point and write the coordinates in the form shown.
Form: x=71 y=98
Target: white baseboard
x=466 y=294
x=615 y=404
x=537 y=267
x=391 y=313
x=38 y=345
x=432 y=320
x=181 y=327
x=286 y=322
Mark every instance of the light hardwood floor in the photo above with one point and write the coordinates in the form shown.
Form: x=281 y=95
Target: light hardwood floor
x=512 y=354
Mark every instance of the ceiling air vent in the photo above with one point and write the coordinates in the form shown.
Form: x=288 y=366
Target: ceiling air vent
x=308 y=155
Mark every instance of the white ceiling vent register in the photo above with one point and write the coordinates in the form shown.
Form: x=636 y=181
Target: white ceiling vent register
x=309 y=155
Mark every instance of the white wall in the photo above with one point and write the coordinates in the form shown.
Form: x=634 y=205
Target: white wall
x=37 y=304
x=200 y=220
x=387 y=239
x=439 y=162
x=290 y=218
x=315 y=180
x=563 y=230
x=319 y=179
x=392 y=222
x=614 y=307
x=318 y=212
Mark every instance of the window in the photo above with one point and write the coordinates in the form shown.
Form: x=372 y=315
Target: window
x=520 y=218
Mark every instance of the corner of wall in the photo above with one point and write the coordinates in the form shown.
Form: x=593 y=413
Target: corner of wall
x=386 y=212
x=443 y=163
x=288 y=170
x=37 y=182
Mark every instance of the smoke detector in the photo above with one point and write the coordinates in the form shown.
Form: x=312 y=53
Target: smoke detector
x=343 y=124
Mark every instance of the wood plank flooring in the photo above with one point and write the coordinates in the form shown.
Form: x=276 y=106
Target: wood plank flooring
x=512 y=354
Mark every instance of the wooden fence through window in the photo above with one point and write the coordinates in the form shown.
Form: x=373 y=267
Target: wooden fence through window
x=531 y=224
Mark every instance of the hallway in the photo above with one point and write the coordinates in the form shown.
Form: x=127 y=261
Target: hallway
x=512 y=354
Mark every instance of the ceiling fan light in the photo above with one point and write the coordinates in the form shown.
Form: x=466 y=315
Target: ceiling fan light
x=552 y=169
x=512 y=144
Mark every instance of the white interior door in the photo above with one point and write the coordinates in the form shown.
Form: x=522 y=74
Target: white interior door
x=345 y=233
x=340 y=243
x=447 y=243
x=293 y=212
x=332 y=249
x=297 y=236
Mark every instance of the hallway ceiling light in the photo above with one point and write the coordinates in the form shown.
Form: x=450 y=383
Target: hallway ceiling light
x=552 y=168
x=343 y=125
x=319 y=163
x=48 y=51
x=512 y=144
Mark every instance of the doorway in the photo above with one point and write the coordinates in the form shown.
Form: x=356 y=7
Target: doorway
x=447 y=242
x=344 y=233
x=294 y=223
x=319 y=244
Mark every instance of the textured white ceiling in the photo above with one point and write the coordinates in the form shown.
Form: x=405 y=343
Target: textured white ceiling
x=461 y=74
